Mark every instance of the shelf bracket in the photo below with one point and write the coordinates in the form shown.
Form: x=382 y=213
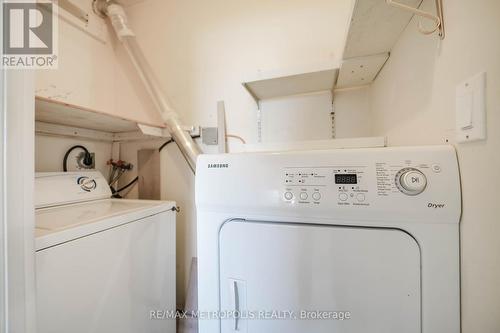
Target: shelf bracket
x=438 y=19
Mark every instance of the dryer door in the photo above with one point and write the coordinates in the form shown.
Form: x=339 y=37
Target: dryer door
x=299 y=278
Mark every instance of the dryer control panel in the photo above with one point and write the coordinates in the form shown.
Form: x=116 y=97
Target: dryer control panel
x=399 y=183
x=357 y=185
x=314 y=185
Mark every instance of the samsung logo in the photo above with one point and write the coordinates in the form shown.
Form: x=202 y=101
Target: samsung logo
x=218 y=165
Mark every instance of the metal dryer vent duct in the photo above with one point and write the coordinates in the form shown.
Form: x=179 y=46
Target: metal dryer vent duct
x=116 y=14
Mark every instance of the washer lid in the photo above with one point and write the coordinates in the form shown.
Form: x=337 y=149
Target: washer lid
x=60 y=224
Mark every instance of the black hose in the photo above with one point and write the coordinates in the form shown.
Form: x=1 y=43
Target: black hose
x=172 y=140
x=128 y=185
x=116 y=192
x=87 y=160
x=165 y=144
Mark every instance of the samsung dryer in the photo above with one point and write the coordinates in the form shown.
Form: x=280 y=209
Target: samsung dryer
x=348 y=240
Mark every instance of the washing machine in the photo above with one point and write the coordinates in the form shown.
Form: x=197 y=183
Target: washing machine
x=102 y=265
x=347 y=240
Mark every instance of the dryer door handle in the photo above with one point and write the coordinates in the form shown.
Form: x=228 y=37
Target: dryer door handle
x=236 y=304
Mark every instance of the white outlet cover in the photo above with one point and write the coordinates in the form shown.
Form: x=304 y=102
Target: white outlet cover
x=470 y=109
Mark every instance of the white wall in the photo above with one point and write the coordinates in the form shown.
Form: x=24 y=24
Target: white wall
x=203 y=50
x=95 y=74
x=413 y=104
x=50 y=150
x=353 y=117
x=297 y=118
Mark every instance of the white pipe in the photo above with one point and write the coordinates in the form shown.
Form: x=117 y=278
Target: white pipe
x=118 y=18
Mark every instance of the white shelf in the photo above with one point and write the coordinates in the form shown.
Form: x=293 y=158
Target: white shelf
x=62 y=119
x=343 y=143
x=375 y=28
x=60 y=113
x=279 y=84
x=361 y=70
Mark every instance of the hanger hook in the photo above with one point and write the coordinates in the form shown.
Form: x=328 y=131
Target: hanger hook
x=424 y=31
x=437 y=20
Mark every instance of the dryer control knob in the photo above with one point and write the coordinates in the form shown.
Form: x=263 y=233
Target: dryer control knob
x=411 y=181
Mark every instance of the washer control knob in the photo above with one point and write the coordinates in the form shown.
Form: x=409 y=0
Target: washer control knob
x=288 y=196
x=303 y=196
x=411 y=181
x=316 y=196
x=87 y=184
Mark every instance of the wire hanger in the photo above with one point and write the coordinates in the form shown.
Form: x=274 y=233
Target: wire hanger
x=438 y=19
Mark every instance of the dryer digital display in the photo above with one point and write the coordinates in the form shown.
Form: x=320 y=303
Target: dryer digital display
x=346 y=178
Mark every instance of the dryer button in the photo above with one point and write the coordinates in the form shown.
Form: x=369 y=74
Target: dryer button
x=288 y=196
x=411 y=181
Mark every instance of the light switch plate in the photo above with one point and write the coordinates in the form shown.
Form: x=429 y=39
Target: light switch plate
x=470 y=109
x=209 y=136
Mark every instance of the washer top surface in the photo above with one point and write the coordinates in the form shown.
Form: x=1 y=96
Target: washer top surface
x=56 y=225
x=71 y=205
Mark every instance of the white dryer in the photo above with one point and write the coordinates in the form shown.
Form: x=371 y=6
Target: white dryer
x=102 y=265
x=349 y=240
